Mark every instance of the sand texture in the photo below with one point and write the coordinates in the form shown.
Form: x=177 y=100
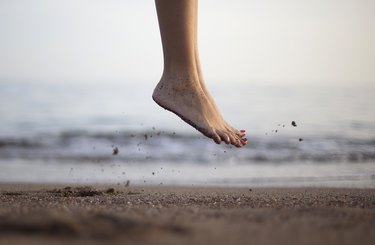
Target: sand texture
x=51 y=214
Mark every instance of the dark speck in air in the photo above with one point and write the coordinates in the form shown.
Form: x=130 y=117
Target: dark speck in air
x=115 y=151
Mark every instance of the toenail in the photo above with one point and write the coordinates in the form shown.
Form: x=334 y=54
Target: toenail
x=244 y=139
x=243 y=131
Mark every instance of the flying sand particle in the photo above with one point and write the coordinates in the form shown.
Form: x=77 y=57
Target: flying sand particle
x=115 y=151
x=294 y=124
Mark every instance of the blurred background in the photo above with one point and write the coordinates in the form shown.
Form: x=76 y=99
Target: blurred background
x=76 y=79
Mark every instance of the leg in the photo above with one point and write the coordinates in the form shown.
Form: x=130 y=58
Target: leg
x=181 y=88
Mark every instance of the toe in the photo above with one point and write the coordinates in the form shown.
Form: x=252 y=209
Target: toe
x=236 y=141
x=240 y=143
x=241 y=133
x=244 y=141
x=216 y=138
x=236 y=136
x=225 y=138
x=213 y=134
x=233 y=139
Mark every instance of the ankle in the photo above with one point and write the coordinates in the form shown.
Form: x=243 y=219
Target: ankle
x=178 y=81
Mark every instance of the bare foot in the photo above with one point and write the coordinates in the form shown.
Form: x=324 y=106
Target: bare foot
x=239 y=133
x=188 y=100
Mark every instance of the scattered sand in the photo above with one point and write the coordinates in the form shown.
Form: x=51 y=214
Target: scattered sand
x=32 y=214
x=115 y=151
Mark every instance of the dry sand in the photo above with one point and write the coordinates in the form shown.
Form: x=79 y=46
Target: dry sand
x=51 y=214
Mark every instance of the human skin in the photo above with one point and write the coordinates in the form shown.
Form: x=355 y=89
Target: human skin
x=182 y=89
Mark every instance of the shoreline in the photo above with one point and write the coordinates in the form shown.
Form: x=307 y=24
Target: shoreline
x=81 y=214
x=360 y=175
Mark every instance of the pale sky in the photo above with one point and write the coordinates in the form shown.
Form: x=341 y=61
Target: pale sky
x=257 y=41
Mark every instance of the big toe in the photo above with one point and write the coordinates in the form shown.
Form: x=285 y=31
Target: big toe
x=243 y=141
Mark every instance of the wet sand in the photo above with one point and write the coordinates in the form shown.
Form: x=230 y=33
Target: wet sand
x=52 y=214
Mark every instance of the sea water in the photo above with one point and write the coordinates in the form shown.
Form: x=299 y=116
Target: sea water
x=67 y=132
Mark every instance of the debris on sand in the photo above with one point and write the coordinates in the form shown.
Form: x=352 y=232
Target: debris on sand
x=294 y=124
x=110 y=191
x=11 y=193
x=115 y=151
x=300 y=139
x=82 y=191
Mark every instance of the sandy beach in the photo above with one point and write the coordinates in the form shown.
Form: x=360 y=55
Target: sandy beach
x=60 y=214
